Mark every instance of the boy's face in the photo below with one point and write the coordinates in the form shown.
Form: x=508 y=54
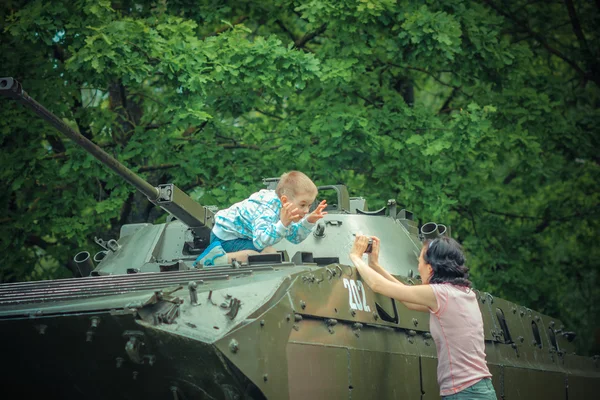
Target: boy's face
x=302 y=201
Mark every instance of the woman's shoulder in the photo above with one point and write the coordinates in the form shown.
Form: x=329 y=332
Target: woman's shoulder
x=448 y=287
x=440 y=285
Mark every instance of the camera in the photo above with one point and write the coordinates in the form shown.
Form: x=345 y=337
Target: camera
x=369 y=246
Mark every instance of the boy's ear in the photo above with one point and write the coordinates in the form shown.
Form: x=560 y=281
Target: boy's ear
x=284 y=199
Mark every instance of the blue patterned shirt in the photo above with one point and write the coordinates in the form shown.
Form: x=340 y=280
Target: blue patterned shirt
x=257 y=219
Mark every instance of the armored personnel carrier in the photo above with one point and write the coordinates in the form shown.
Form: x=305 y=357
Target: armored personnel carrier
x=143 y=323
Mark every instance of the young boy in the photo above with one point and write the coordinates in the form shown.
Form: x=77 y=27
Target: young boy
x=253 y=225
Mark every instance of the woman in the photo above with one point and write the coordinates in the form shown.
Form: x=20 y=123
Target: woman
x=455 y=319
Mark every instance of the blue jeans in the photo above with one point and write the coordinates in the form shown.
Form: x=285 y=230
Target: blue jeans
x=231 y=246
x=482 y=390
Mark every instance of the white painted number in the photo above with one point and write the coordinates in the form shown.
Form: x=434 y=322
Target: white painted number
x=364 y=296
x=350 y=294
x=355 y=289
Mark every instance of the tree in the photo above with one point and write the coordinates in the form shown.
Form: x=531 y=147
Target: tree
x=479 y=114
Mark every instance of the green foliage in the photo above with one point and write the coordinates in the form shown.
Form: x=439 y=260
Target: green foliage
x=471 y=113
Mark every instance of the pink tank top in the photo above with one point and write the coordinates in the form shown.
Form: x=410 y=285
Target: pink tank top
x=457 y=329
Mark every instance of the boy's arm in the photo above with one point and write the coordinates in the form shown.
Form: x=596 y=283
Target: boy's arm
x=299 y=231
x=268 y=230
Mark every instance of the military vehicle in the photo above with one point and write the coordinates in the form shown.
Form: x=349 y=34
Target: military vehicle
x=143 y=323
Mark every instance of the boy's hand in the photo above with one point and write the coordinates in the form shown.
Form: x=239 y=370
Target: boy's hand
x=318 y=213
x=287 y=215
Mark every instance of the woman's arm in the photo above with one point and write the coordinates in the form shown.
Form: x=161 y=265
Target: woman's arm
x=419 y=297
x=380 y=270
x=374 y=264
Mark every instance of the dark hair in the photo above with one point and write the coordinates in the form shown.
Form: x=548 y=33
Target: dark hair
x=447 y=261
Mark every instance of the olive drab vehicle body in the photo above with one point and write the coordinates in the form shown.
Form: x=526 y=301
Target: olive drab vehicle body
x=143 y=323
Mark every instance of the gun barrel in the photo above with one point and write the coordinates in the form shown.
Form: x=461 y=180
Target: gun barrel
x=198 y=218
x=12 y=88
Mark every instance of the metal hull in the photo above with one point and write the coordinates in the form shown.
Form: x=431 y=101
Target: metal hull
x=295 y=334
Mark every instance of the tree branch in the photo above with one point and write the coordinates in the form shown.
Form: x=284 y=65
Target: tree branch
x=269 y=115
x=578 y=214
x=194 y=129
x=593 y=65
x=149 y=97
x=234 y=145
x=64 y=155
x=125 y=211
x=56 y=143
x=541 y=40
x=551 y=28
x=457 y=88
x=59 y=53
x=509 y=178
x=83 y=129
x=300 y=43
x=286 y=30
x=157 y=167
x=147 y=210
x=577 y=26
x=366 y=99
x=445 y=107
x=224 y=28
x=149 y=127
x=542 y=225
x=431 y=75
x=36 y=241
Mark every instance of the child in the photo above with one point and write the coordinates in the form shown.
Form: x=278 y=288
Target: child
x=253 y=225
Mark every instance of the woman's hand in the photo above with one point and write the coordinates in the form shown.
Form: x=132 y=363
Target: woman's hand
x=360 y=245
x=374 y=254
